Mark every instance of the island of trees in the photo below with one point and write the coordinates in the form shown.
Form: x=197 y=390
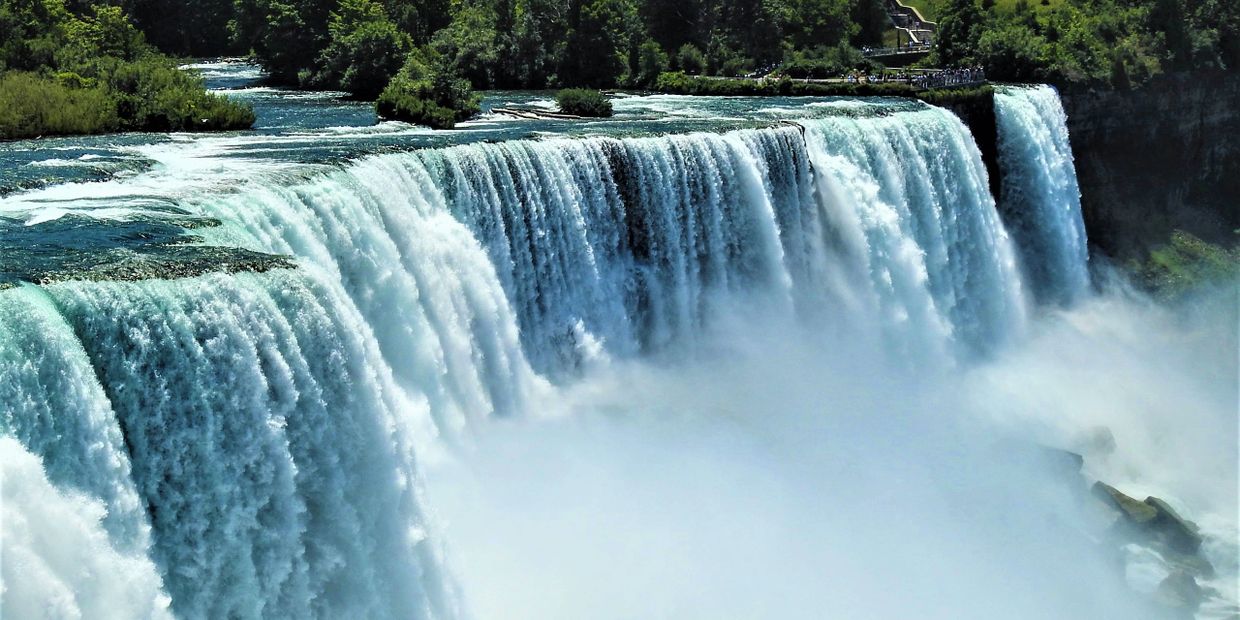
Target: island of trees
x=79 y=66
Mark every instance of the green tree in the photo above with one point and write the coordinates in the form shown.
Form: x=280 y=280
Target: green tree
x=1012 y=53
x=652 y=61
x=960 y=28
x=470 y=46
x=426 y=91
x=594 y=53
x=690 y=59
x=813 y=23
x=366 y=49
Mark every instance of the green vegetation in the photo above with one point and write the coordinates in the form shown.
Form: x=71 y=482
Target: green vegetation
x=679 y=83
x=1186 y=263
x=359 y=45
x=425 y=92
x=68 y=73
x=420 y=58
x=1119 y=43
x=583 y=102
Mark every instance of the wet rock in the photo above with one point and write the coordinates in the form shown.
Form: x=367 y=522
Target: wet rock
x=1154 y=524
x=1180 y=591
x=1178 y=533
x=1133 y=510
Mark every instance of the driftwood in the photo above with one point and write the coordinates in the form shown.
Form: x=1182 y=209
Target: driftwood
x=536 y=114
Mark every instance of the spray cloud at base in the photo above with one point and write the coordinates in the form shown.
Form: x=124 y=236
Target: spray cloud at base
x=791 y=477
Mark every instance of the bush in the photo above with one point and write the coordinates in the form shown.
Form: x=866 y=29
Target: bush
x=1186 y=263
x=827 y=62
x=690 y=59
x=96 y=74
x=681 y=84
x=583 y=102
x=426 y=92
x=32 y=106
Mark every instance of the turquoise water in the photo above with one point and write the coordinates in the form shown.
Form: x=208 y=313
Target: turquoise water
x=119 y=185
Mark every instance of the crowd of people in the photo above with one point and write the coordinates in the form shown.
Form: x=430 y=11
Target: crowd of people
x=950 y=77
x=933 y=79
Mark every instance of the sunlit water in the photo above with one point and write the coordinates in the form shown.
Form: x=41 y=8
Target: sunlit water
x=711 y=358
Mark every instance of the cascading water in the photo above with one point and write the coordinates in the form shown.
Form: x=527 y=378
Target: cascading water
x=273 y=457
x=252 y=437
x=1041 y=201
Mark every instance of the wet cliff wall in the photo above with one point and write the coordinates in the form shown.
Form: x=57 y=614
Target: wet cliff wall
x=1159 y=158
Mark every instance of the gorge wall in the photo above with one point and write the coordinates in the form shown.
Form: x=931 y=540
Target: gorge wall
x=1158 y=158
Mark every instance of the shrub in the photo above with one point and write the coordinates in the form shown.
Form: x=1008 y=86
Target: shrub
x=583 y=102
x=690 y=59
x=425 y=92
x=1186 y=263
x=681 y=84
x=32 y=106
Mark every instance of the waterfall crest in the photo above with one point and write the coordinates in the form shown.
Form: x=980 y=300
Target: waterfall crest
x=1041 y=201
x=255 y=437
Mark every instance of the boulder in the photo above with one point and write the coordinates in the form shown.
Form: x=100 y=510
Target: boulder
x=1180 y=591
x=1178 y=533
x=1155 y=524
x=1133 y=511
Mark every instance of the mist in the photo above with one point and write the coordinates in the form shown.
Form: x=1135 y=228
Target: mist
x=775 y=473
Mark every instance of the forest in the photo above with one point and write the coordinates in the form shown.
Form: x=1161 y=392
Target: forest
x=106 y=66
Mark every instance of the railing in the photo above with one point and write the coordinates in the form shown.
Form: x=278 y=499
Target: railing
x=871 y=52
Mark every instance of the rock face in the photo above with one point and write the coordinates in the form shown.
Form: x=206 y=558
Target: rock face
x=1154 y=519
x=979 y=114
x=1163 y=157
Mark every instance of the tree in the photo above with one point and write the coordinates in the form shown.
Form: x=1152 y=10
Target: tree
x=469 y=44
x=1012 y=53
x=366 y=49
x=651 y=61
x=813 y=23
x=959 y=31
x=426 y=91
x=594 y=50
x=690 y=59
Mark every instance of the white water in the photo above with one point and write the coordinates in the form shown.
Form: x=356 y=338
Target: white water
x=259 y=438
x=1041 y=201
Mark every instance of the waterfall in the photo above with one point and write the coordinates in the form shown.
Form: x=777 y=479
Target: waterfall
x=272 y=451
x=1041 y=201
x=248 y=444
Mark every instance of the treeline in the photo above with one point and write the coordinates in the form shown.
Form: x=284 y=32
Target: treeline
x=513 y=43
x=420 y=58
x=1120 y=43
x=68 y=69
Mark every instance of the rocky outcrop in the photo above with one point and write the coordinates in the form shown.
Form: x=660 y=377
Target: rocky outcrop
x=1162 y=157
x=978 y=112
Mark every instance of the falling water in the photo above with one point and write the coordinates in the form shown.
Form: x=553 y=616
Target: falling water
x=1041 y=201
x=250 y=443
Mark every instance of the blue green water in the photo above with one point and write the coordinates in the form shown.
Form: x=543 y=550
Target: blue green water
x=324 y=127
x=127 y=193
